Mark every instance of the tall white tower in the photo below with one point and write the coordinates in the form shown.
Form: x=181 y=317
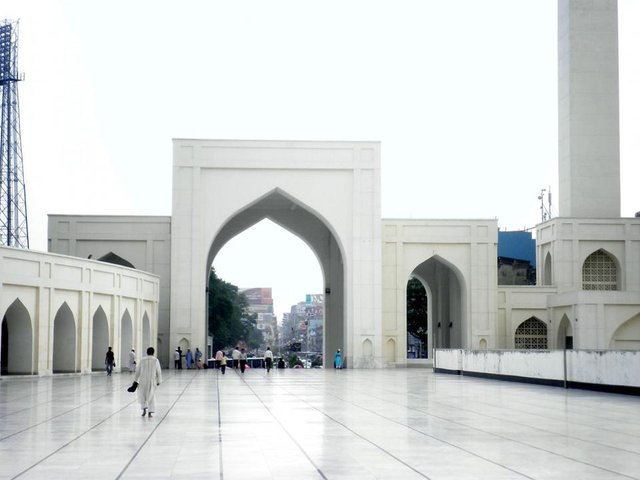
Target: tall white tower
x=589 y=132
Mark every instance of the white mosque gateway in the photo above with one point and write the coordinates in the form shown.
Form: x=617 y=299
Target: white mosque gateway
x=588 y=259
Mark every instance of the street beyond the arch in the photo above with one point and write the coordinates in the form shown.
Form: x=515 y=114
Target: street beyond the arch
x=314 y=423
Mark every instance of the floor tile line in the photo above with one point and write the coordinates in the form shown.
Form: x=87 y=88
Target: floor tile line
x=350 y=430
x=540 y=429
x=335 y=420
x=304 y=452
x=219 y=424
x=56 y=416
x=73 y=440
x=557 y=390
x=42 y=390
x=502 y=419
x=483 y=431
x=162 y=419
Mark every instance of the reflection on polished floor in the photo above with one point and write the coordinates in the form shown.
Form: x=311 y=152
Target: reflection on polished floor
x=298 y=424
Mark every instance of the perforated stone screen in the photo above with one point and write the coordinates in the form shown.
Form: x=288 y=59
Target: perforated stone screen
x=599 y=272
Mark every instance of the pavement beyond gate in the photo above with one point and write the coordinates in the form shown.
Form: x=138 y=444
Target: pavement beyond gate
x=299 y=424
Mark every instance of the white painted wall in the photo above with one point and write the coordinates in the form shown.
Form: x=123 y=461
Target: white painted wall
x=43 y=283
x=618 y=368
x=596 y=316
x=608 y=367
x=144 y=241
x=448 y=359
x=520 y=363
x=466 y=248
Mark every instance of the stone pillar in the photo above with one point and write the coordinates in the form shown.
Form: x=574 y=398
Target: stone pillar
x=589 y=132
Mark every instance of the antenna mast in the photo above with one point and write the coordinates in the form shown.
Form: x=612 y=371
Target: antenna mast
x=545 y=211
x=14 y=231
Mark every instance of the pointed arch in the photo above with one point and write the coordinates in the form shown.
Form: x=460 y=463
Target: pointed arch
x=99 y=339
x=64 y=341
x=146 y=332
x=600 y=271
x=445 y=286
x=367 y=348
x=299 y=219
x=417 y=318
x=390 y=351
x=126 y=337
x=565 y=333
x=184 y=344
x=627 y=335
x=270 y=205
x=531 y=334
x=547 y=270
x=17 y=340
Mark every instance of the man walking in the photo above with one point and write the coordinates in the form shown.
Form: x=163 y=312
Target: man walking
x=235 y=356
x=243 y=360
x=268 y=359
x=132 y=361
x=109 y=361
x=148 y=377
x=176 y=359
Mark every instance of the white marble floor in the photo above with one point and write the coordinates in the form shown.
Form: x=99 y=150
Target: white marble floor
x=298 y=424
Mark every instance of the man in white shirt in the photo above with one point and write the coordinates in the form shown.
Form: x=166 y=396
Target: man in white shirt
x=235 y=356
x=268 y=359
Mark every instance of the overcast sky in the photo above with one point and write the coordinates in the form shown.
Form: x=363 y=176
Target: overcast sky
x=461 y=93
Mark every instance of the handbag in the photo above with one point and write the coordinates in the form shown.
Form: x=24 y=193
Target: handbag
x=133 y=387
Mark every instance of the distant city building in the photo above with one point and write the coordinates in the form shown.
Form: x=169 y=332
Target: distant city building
x=303 y=326
x=261 y=303
x=516 y=258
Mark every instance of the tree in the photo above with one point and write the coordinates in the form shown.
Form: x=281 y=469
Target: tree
x=228 y=319
x=417 y=310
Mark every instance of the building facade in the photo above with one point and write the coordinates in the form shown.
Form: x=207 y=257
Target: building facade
x=587 y=292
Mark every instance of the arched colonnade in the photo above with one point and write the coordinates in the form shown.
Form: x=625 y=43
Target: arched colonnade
x=60 y=314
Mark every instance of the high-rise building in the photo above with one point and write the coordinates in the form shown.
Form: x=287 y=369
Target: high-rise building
x=261 y=303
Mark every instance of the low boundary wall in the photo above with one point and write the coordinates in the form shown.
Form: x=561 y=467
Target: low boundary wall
x=616 y=371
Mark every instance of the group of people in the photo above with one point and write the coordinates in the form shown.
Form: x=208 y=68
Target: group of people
x=238 y=357
x=149 y=375
x=239 y=360
x=110 y=361
x=192 y=360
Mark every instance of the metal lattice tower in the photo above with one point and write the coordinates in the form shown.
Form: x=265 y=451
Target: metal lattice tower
x=13 y=198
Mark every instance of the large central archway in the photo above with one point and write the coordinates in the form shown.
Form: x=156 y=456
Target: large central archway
x=326 y=193
x=445 y=294
x=294 y=217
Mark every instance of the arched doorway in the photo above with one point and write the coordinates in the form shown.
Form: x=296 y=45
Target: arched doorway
x=295 y=218
x=100 y=340
x=565 y=334
x=17 y=341
x=417 y=320
x=547 y=275
x=146 y=332
x=326 y=193
x=126 y=338
x=446 y=299
x=64 y=341
x=627 y=335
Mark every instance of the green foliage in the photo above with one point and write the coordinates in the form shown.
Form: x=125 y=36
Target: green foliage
x=293 y=360
x=228 y=320
x=417 y=310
